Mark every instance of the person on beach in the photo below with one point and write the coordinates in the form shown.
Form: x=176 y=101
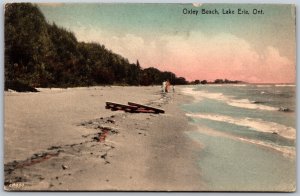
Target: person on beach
x=167 y=85
x=164 y=86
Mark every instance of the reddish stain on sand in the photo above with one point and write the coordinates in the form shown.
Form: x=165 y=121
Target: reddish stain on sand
x=34 y=161
x=103 y=135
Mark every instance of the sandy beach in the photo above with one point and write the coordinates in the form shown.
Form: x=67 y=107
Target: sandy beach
x=65 y=139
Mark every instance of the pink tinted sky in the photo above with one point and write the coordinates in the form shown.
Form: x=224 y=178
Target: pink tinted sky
x=251 y=48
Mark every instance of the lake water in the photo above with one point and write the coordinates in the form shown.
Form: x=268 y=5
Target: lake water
x=248 y=141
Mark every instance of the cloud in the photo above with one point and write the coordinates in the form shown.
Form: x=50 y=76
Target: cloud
x=278 y=66
x=50 y=4
x=197 y=4
x=199 y=56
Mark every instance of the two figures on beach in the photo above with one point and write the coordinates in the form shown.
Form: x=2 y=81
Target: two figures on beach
x=166 y=85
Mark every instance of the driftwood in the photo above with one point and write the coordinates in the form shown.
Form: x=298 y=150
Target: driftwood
x=133 y=108
x=145 y=107
x=117 y=106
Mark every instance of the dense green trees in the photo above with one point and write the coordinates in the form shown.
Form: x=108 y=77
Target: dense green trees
x=40 y=54
x=226 y=81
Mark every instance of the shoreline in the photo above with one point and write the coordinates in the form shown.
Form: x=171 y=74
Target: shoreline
x=242 y=154
x=141 y=152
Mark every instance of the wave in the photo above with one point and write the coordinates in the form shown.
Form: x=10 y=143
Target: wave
x=240 y=85
x=255 y=124
x=191 y=92
x=264 y=85
x=241 y=103
x=245 y=103
x=277 y=85
x=287 y=151
x=283 y=85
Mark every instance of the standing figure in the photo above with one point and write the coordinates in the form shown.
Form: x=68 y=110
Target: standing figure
x=167 y=85
x=164 y=86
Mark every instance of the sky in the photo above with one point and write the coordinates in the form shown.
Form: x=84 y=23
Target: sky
x=256 y=48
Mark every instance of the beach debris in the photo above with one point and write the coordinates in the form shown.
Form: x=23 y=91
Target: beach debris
x=96 y=139
x=54 y=147
x=104 y=131
x=110 y=121
x=146 y=109
x=103 y=134
x=283 y=109
x=258 y=102
x=133 y=108
x=9 y=168
x=18 y=171
x=104 y=156
x=37 y=158
x=117 y=106
x=110 y=146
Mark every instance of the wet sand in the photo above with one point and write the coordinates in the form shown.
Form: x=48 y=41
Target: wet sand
x=65 y=139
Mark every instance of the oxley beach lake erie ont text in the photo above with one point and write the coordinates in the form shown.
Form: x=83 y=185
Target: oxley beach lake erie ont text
x=222 y=11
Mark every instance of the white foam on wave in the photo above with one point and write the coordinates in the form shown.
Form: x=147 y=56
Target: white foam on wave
x=216 y=85
x=242 y=85
x=241 y=103
x=264 y=85
x=253 y=123
x=245 y=103
x=287 y=151
x=191 y=92
x=283 y=85
x=277 y=85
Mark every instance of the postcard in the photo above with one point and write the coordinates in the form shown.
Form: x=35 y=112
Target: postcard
x=150 y=97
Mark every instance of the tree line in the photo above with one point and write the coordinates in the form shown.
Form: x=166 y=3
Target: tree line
x=216 y=81
x=39 y=54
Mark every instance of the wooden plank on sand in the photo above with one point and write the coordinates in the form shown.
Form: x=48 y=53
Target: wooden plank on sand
x=145 y=107
x=117 y=106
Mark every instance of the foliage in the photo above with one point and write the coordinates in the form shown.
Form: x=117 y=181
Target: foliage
x=226 y=81
x=40 y=54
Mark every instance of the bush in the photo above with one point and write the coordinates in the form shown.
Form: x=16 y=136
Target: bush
x=19 y=86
